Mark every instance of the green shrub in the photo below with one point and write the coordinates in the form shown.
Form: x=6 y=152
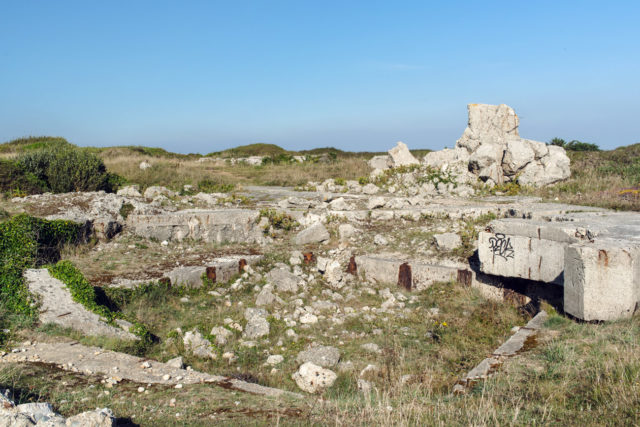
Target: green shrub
x=68 y=169
x=279 y=220
x=277 y=159
x=574 y=145
x=14 y=181
x=26 y=242
x=34 y=143
x=363 y=180
x=126 y=209
x=210 y=186
x=340 y=181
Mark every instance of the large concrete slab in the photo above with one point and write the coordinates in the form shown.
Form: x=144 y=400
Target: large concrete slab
x=219 y=226
x=76 y=357
x=57 y=306
x=221 y=270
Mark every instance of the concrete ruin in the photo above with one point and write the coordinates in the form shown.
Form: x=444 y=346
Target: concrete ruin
x=491 y=149
x=595 y=257
x=218 y=225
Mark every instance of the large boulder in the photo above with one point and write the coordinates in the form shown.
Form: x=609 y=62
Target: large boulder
x=283 y=280
x=517 y=155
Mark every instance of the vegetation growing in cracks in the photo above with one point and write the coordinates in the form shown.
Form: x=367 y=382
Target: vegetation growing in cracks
x=83 y=293
x=28 y=242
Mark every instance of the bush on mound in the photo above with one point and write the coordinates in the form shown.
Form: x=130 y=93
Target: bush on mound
x=67 y=169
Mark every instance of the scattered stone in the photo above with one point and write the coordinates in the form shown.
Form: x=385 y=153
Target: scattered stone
x=370 y=189
x=222 y=335
x=283 y=280
x=155 y=191
x=144 y=165
x=346 y=231
x=376 y=202
x=198 y=345
x=321 y=355
x=313 y=378
x=257 y=323
x=447 y=241
x=316 y=233
x=371 y=347
x=308 y=319
x=129 y=191
x=380 y=240
x=275 y=359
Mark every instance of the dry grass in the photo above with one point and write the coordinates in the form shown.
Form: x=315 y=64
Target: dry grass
x=608 y=179
x=174 y=173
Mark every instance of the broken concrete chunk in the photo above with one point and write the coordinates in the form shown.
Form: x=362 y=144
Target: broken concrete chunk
x=314 y=234
x=447 y=241
x=401 y=156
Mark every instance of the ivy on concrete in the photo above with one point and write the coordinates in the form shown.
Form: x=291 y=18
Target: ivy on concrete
x=84 y=293
x=26 y=242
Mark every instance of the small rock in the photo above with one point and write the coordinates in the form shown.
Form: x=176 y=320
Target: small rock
x=321 y=355
x=313 y=378
x=371 y=347
x=176 y=362
x=275 y=359
x=380 y=240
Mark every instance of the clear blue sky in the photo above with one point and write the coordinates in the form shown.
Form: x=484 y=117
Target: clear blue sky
x=200 y=76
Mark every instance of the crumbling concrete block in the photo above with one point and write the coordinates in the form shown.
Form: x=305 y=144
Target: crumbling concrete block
x=601 y=280
x=220 y=270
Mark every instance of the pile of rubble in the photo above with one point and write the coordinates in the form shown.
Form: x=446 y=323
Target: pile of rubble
x=42 y=414
x=490 y=151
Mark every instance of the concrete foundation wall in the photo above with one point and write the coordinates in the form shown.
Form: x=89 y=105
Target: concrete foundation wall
x=230 y=225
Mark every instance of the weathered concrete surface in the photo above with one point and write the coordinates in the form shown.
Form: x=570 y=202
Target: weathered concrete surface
x=72 y=356
x=220 y=270
x=387 y=270
x=219 y=226
x=602 y=280
x=401 y=156
x=57 y=306
x=524 y=257
x=594 y=255
x=514 y=345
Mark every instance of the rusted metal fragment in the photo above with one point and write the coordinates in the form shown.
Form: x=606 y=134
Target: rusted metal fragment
x=353 y=267
x=242 y=263
x=465 y=277
x=211 y=274
x=309 y=257
x=404 y=276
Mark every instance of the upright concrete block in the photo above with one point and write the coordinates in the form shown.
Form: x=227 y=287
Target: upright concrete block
x=601 y=280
